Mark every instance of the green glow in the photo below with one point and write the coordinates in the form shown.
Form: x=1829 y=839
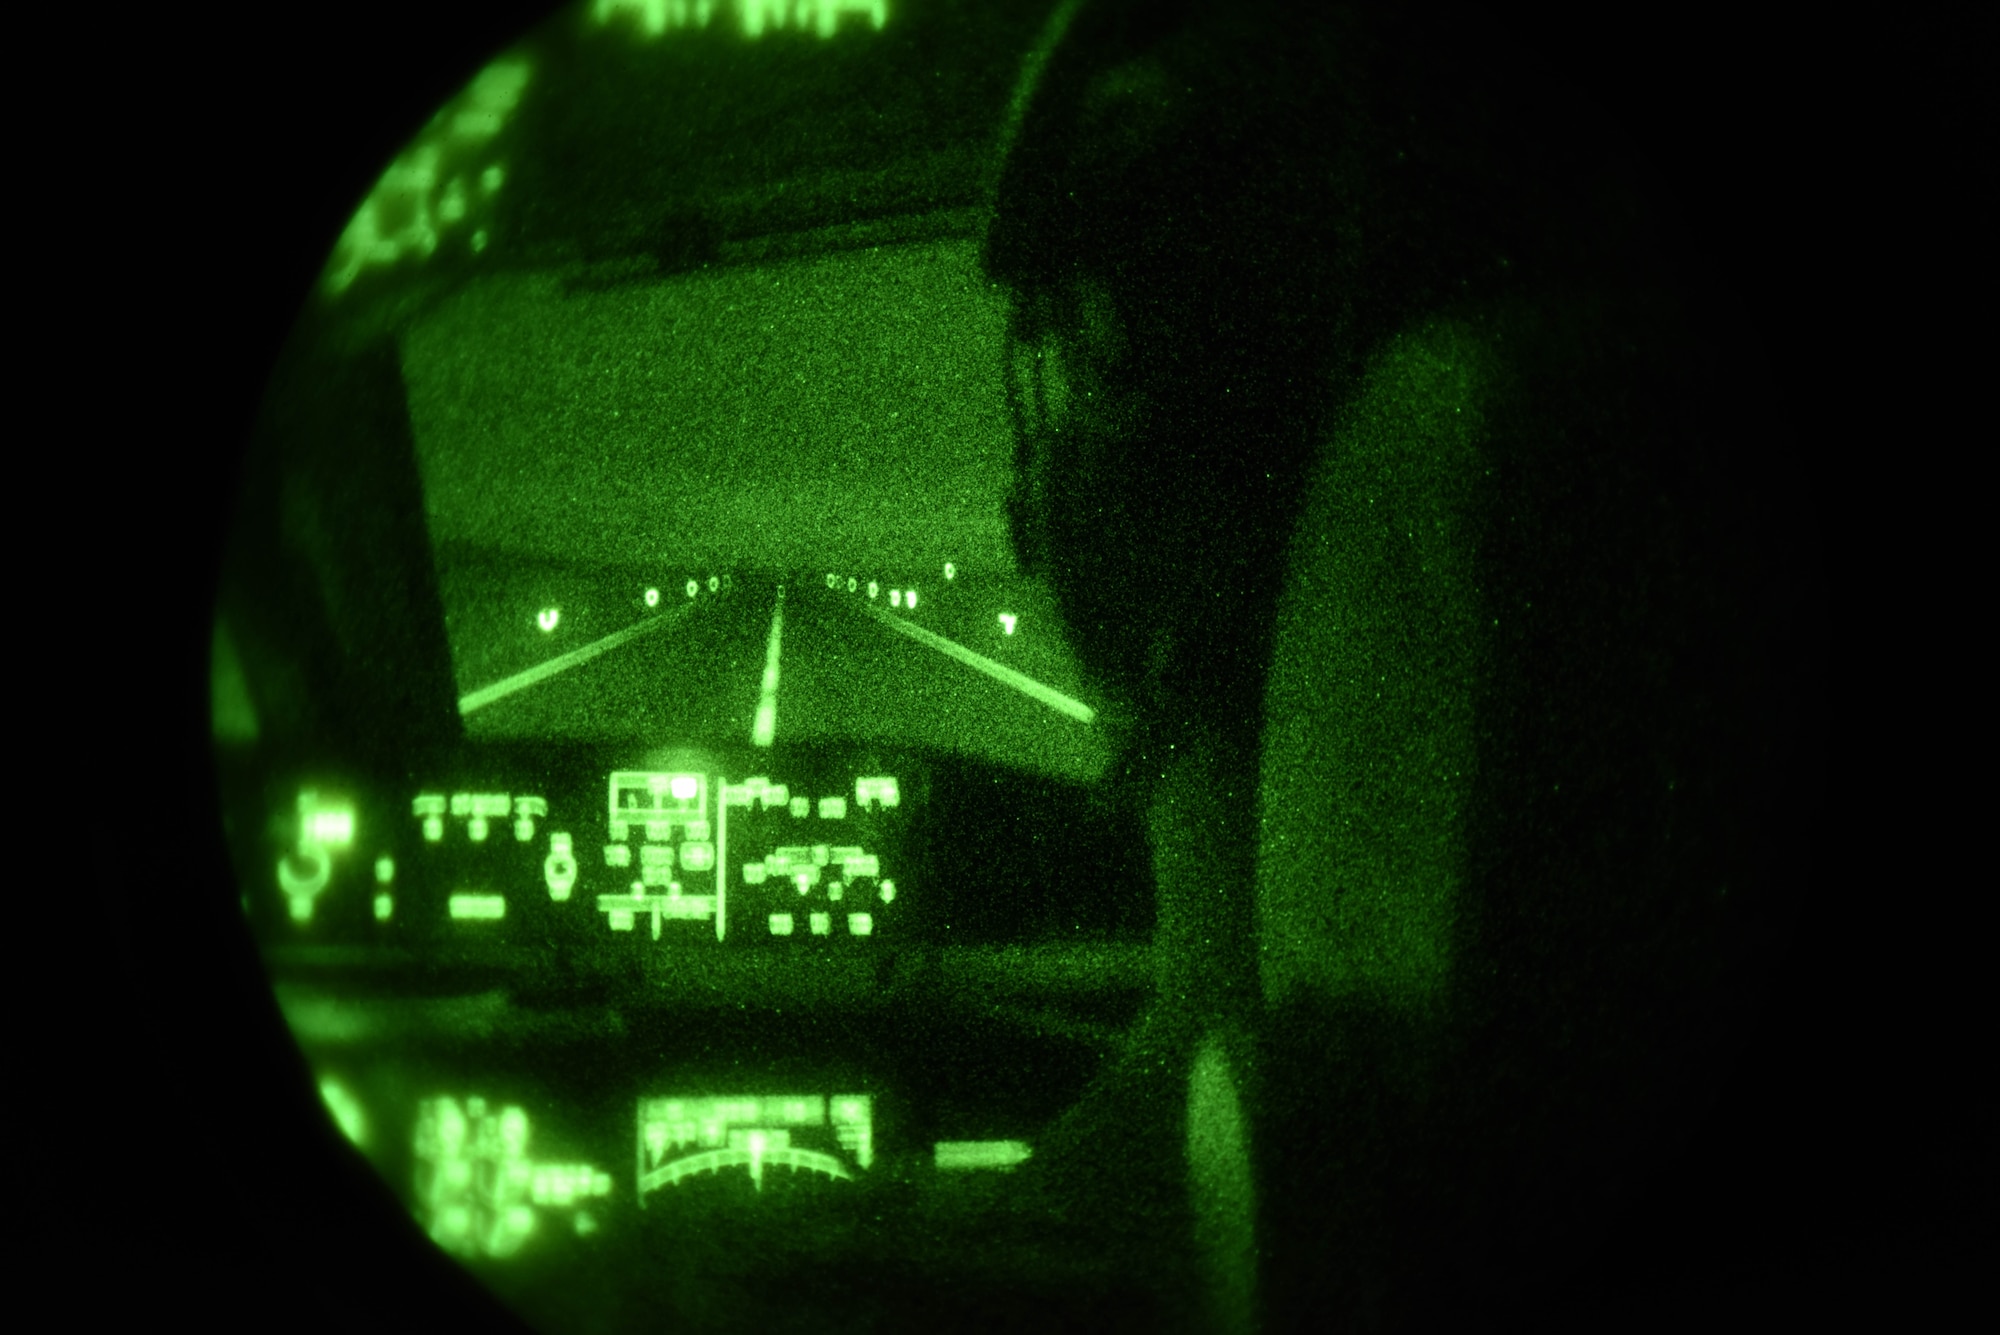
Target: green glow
x=385 y=878
x=1369 y=733
x=652 y=597
x=430 y=808
x=833 y=808
x=423 y=193
x=764 y=729
x=1000 y=672
x=950 y=571
x=478 y=1192
x=959 y=1155
x=660 y=803
x=805 y=867
x=325 y=827
x=332 y=827
x=652 y=18
x=478 y=908
x=547 y=618
x=538 y=410
x=1007 y=623
x=623 y=911
x=347 y=1114
x=910 y=599
x=880 y=788
x=659 y=800
x=1029 y=80
x=559 y=868
x=757 y=791
x=1222 y=1187
x=680 y=1138
x=541 y=672
x=479 y=811
x=233 y=718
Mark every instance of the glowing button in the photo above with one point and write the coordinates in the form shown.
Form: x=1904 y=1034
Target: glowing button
x=950 y=570
x=547 y=618
x=685 y=786
x=331 y=825
x=559 y=868
x=895 y=597
x=860 y=924
x=652 y=597
x=692 y=588
x=822 y=923
x=714 y=583
x=1007 y=620
x=478 y=908
x=910 y=598
x=781 y=924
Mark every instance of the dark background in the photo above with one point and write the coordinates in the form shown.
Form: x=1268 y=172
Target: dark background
x=1823 y=173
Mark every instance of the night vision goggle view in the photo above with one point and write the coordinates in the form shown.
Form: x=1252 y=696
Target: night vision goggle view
x=1043 y=664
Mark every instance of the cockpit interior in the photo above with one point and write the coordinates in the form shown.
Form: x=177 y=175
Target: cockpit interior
x=811 y=736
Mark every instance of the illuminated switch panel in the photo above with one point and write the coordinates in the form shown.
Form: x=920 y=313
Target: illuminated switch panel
x=670 y=876
x=656 y=802
x=478 y=1190
x=479 y=811
x=812 y=868
x=684 y=1138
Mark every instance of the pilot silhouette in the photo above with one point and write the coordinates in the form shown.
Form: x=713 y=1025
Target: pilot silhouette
x=1390 y=459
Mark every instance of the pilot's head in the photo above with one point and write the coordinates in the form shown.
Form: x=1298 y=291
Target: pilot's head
x=1416 y=503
